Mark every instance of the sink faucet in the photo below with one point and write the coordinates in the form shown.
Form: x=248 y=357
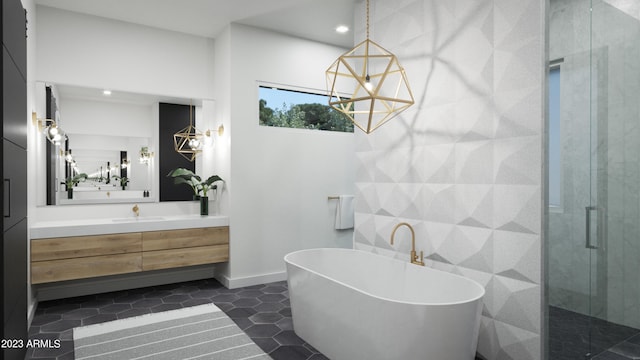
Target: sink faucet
x=136 y=210
x=414 y=256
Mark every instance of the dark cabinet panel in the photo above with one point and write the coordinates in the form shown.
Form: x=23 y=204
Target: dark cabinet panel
x=14 y=174
x=14 y=169
x=14 y=103
x=14 y=33
x=15 y=287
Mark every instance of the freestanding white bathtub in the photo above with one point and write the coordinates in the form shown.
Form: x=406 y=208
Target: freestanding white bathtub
x=351 y=304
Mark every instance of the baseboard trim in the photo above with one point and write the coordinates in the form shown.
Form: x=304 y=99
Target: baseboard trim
x=83 y=287
x=238 y=282
x=31 y=312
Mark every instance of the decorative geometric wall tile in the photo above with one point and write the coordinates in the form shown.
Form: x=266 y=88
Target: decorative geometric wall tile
x=400 y=165
x=474 y=162
x=511 y=71
x=368 y=202
x=439 y=202
x=439 y=163
x=474 y=53
x=513 y=159
x=474 y=205
x=517 y=208
x=395 y=19
x=516 y=303
x=515 y=343
x=476 y=118
x=399 y=200
x=438 y=131
x=364 y=229
x=365 y=166
x=474 y=248
x=523 y=262
x=486 y=280
x=463 y=165
x=437 y=234
x=516 y=25
x=518 y=114
x=488 y=344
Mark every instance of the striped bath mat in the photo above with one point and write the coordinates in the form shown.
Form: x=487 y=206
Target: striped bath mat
x=199 y=332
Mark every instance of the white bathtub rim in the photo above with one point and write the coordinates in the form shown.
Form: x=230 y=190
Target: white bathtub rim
x=466 y=301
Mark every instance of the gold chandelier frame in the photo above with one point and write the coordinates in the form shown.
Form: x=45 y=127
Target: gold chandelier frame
x=380 y=87
x=188 y=141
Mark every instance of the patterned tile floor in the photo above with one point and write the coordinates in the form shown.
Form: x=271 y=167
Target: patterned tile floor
x=568 y=338
x=262 y=311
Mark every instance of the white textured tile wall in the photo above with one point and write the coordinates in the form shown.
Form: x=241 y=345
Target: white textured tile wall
x=463 y=165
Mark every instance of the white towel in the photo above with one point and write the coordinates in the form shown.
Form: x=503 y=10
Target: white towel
x=344 y=212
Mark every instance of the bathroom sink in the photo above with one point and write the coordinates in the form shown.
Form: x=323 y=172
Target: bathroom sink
x=136 y=219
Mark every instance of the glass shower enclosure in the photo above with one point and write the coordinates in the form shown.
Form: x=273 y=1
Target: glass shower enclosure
x=593 y=213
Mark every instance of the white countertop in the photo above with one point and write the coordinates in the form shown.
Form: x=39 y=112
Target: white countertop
x=51 y=229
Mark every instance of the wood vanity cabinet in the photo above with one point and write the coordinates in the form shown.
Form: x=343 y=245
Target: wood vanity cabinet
x=177 y=248
x=80 y=257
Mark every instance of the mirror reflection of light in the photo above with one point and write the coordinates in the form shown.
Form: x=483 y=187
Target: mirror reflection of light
x=194 y=144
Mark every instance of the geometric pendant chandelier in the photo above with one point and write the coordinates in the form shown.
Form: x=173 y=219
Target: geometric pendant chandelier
x=368 y=85
x=188 y=141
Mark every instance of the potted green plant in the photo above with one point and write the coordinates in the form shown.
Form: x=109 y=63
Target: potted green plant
x=72 y=181
x=186 y=176
x=123 y=181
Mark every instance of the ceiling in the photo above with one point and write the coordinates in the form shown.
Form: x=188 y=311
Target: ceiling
x=310 y=19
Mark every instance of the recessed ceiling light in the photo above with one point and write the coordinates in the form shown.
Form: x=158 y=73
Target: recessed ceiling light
x=106 y=92
x=342 y=29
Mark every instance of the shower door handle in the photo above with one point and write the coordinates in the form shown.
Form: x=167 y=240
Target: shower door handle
x=588 y=244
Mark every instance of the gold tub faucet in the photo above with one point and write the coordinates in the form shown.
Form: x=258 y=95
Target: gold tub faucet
x=136 y=210
x=414 y=256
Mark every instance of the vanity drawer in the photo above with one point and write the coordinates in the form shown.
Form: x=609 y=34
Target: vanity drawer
x=166 y=259
x=84 y=267
x=80 y=257
x=83 y=246
x=184 y=238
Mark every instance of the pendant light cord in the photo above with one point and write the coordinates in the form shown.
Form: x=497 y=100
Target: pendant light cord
x=367 y=19
x=367 y=78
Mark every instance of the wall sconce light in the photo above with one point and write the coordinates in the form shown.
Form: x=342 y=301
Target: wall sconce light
x=188 y=141
x=221 y=130
x=145 y=155
x=68 y=157
x=51 y=130
x=54 y=133
x=125 y=164
x=376 y=83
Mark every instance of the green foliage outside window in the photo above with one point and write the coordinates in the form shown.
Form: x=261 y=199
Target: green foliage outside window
x=308 y=115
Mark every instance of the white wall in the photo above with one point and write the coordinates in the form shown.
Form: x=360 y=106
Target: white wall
x=95 y=52
x=280 y=178
x=85 y=50
x=464 y=164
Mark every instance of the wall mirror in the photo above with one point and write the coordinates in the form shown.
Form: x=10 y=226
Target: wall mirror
x=112 y=136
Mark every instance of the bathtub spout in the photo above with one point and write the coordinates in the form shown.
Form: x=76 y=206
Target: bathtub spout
x=414 y=256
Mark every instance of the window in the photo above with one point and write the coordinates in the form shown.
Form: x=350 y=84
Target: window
x=555 y=169
x=301 y=110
